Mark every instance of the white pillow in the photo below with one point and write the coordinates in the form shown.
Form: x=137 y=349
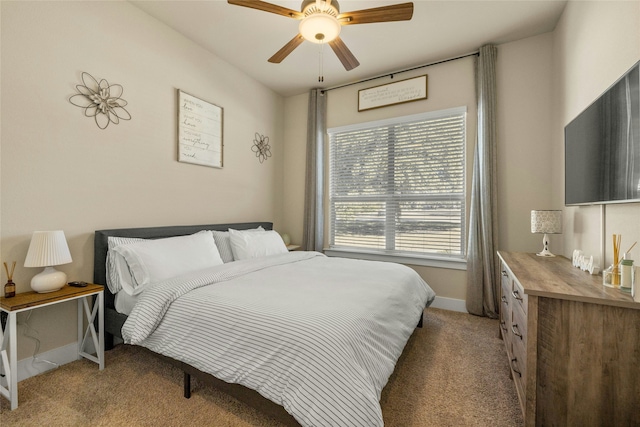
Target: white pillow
x=254 y=244
x=152 y=261
x=223 y=243
x=118 y=275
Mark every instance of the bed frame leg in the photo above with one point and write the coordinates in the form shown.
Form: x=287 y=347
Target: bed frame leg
x=420 y=321
x=108 y=341
x=187 y=386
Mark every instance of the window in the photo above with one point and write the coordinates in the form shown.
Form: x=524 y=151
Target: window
x=397 y=186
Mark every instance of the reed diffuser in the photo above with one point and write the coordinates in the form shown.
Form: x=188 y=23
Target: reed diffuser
x=9 y=287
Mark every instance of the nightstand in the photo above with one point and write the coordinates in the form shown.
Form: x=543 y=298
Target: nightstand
x=31 y=300
x=292 y=248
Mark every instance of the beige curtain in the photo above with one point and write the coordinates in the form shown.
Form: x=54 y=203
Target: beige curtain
x=313 y=237
x=483 y=285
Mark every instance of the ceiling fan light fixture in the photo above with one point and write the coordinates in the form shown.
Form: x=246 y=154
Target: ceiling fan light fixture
x=321 y=22
x=320 y=28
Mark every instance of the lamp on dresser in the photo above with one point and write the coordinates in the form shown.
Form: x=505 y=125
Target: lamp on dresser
x=48 y=248
x=546 y=222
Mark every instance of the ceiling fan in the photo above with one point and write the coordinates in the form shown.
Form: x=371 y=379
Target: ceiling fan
x=321 y=22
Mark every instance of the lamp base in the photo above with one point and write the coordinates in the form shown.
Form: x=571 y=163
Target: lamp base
x=49 y=280
x=545 y=253
x=545 y=248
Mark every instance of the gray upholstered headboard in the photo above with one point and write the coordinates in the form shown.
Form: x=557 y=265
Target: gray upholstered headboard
x=101 y=238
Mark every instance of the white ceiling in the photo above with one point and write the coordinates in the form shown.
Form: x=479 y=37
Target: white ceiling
x=439 y=30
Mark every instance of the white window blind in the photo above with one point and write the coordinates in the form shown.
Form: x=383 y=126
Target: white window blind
x=397 y=186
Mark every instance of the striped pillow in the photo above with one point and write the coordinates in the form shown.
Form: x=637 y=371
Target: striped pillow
x=118 y=274
x=224 y=245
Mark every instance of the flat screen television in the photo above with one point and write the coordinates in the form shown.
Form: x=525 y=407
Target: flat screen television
x=602 y=146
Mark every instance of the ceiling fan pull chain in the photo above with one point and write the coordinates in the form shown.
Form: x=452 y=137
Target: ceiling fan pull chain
x=320 y=65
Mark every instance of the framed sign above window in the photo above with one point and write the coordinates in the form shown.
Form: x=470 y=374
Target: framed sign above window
x=199 y=131
x=408 y=90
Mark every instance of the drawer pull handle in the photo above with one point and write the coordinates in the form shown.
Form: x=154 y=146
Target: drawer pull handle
x=515 y=359
x=504 y=299
x=515 y=330
x=503 y=325
x=504 y=273
x=516 y=295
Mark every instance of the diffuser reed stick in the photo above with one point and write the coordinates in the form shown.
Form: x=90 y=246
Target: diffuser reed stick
x=9 y=273
x=615 y=277
x=632 y=246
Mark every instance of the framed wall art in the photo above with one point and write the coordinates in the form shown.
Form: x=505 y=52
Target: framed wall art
x=199 y=131
x=408 y=90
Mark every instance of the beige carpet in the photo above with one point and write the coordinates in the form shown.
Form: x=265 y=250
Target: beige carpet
x=453 y=372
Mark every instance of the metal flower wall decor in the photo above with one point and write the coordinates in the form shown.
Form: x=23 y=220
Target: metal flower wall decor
x=101 y=101
x=261 y=147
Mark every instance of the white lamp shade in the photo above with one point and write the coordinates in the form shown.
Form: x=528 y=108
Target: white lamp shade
x=547 y=222
x=320 y=28
x=47 y=248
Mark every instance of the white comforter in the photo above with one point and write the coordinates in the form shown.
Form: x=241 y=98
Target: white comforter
x=319 y=336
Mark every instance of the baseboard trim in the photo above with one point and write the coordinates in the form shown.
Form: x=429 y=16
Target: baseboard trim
x=29 y=367
x=450 y=304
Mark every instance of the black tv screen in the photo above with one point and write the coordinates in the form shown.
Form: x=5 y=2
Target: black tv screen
x=602 y=146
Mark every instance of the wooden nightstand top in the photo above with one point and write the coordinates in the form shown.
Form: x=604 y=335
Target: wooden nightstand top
x=33 y=299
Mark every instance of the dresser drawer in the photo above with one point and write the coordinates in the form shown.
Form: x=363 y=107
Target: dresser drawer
x=505 y=306
x=513 y=309
x=518 y=297
x=518 y=324
x=518 y=331
x=518 y=369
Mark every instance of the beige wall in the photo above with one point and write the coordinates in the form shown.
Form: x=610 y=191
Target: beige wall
x=524 y=142
x=60 y=171
x=294 y=165
x=594 y=44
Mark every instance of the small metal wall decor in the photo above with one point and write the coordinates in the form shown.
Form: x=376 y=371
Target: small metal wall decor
x=261 y=147
x=101 y=101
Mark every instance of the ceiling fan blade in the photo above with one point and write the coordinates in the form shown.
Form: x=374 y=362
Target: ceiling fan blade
x=267 y=7
x=397 y=12
x=286 y=49
x=344 y=54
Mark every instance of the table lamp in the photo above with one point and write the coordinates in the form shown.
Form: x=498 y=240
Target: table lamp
x=547 y=222
x=48 y=248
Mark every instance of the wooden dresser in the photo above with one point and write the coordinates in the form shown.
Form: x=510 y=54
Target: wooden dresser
x=573 y=344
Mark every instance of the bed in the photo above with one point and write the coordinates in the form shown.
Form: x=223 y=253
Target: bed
x=257 y=327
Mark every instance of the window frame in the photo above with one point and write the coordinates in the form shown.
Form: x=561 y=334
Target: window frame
x=457 y=261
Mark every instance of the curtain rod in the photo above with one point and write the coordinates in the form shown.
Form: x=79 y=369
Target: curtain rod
x=402 y=71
